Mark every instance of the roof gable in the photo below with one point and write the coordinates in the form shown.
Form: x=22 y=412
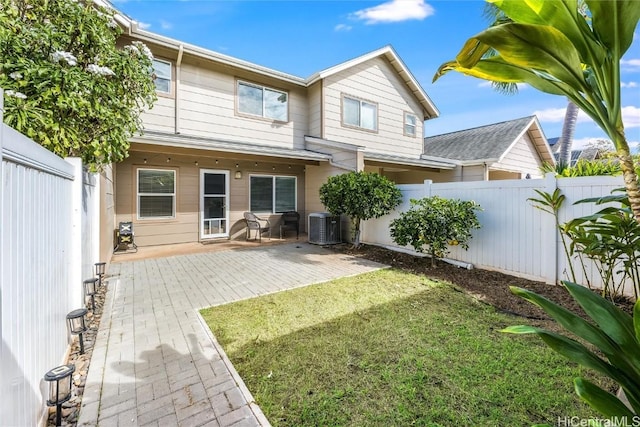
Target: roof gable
x=132 y=29
x=387 y=52
x=487 y=143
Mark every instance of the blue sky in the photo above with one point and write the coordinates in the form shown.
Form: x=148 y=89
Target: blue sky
x=303 y=37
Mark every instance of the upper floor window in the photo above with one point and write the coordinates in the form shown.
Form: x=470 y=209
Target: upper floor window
x=359 y=113
x=410 y=124
x=273 y=194
x=156 y=193
x=263 y=101
x=162 y=71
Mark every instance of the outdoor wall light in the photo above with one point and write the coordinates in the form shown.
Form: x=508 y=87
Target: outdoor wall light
x=168 y=159
x=196 y=163
x=100 y=267
x=216 y=162
x=90 y=291
x=77 y=325
x=238 y=175
x=59 y=380
x=145 y=161
x=237 y=165
x=273 y=168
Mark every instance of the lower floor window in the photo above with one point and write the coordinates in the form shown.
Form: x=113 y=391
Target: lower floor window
x=273 y=194
x=156 y=193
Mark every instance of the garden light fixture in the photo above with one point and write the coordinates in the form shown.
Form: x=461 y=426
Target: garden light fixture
x=100 y=267
x=90 y=291
x=59 y=380
x=77 y=325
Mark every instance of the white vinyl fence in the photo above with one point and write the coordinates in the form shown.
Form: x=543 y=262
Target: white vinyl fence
x=48 y=245
x=515 y=238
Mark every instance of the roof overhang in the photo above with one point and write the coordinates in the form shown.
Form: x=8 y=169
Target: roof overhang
x=407 y=161
x=132 y=29
x=227 y=146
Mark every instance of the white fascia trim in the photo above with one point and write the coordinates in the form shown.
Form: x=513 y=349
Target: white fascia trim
x=403 y=73
x=478 y=162
x=452 y=162
x=333 y=144
x=218 y=57
x=169 y=141
x=411 y=162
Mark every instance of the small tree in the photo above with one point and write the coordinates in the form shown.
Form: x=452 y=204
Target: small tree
x=360 y=196
x=67 y=85
x=436 y=222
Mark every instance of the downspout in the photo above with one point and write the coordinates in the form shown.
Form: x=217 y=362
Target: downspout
x=486 y=172
x=177 y=93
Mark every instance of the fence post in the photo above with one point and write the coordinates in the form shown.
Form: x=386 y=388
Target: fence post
x=549 y=236
x=427 y=188
x=76 y=260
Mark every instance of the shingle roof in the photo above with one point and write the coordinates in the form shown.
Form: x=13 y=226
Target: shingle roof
x=484 y=142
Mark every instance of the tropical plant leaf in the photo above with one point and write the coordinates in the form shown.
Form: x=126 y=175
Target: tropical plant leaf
x=570 y=321
x=604 y=402
x=614 y=23
x=614 y=322
x=537 y=47
x=562 y=15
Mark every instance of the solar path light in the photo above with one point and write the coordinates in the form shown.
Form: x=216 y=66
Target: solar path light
x=59 y=380
x=78 y=325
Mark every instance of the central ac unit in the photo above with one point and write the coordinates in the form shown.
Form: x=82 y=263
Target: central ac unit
x=324 y=228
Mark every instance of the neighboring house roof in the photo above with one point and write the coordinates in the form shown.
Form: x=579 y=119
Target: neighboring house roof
x=488 y=143
x=590 y=153
x=132 y=29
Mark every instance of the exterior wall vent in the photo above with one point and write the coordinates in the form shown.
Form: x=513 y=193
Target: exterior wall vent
x=324 y=228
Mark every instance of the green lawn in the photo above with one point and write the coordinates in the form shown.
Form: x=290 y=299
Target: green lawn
x=391 y=349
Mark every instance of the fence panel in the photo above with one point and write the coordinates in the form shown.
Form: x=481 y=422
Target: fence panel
x=42 y=262
x=515 y=238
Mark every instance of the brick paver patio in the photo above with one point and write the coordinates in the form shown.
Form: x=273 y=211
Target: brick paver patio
x=155 y=363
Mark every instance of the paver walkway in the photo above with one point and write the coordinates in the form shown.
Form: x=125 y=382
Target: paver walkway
x=155 y=363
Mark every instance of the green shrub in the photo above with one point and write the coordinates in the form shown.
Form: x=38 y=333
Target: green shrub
x=360 y=196
x=436 y=222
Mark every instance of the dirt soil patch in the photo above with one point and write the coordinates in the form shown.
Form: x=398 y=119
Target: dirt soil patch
x=491 y=287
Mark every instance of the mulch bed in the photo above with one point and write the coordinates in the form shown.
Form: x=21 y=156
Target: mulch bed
x=491 y=287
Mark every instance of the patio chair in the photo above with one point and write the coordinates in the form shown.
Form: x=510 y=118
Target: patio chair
x=124 y=237
x=290 y=221
x=255 y=223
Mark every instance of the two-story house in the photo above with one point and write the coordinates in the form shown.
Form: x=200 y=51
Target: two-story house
x=228 y=136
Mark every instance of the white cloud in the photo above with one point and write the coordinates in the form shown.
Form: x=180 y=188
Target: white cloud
x=556 y=115
x=394 y=11
x=166 y=25
x=630 y=84
x=342 y=27
x=144 y=25
x=631 y=117
x=630 y=65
